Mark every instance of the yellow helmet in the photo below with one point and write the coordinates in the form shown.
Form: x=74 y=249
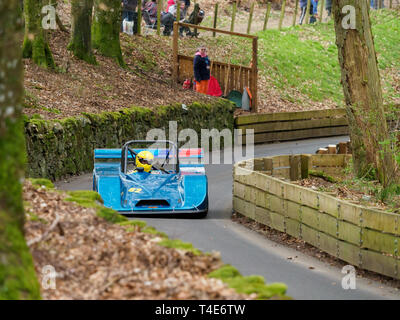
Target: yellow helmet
x=144 y=160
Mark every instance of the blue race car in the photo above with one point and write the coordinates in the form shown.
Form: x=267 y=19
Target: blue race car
x=143 y=180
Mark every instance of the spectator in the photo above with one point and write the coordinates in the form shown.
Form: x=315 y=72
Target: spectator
x=151 y=8
x=313 y=11
x=129 y=12
x=167 y=20
x=192 y=20
x=201 y=68
x=170 y=3
x=328 y=7
x=303 y=10
x=173 y=10
x=377 y=4
x=187 y=5
x=150 y=17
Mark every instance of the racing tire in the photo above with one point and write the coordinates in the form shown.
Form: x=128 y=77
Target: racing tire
x=201 y=215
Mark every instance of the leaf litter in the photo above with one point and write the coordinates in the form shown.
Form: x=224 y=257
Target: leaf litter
x=95 y=259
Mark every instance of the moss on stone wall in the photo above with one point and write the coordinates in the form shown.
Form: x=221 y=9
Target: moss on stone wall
x=58 y=148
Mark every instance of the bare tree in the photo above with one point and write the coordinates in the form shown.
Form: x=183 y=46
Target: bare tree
x=372 y=154
x=106 y=28
x=81 y=38
x=17 y=274
x=36 y=44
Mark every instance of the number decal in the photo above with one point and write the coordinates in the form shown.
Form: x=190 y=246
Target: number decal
x=135 y=190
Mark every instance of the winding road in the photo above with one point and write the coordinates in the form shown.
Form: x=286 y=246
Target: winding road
x=249 y=251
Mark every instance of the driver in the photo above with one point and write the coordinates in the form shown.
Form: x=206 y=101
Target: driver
x=144 y=160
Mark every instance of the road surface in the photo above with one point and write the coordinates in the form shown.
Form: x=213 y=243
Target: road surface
x=249 y=251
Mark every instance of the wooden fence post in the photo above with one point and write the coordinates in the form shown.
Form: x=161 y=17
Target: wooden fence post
x=159 y=6
x=294 y=162
x=250 y=17
x=322 y=10
x=178 y=11
x=282 y=14
x=391 y=4
x=139 y=17
x=296 y=9
x=175 y=65
x=196 y=16
x=306 y=165
x=267 y=15
x=342 y=148
x=307 y=18
x=215 y=18
x=233 y=16
x=254 y=74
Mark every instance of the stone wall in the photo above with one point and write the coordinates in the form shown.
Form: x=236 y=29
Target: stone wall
x=59 y=148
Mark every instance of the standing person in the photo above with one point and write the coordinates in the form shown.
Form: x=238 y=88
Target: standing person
x=129 y=13
x=313 y=11
x=151 y=8
x=173 y=9
x=201 y=68
x=328 y=7
x=185 y=11
x=303 y=10
x=169 y=3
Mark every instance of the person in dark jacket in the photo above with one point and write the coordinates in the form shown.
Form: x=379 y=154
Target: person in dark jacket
x=303 y=10
x=201 y=68
x=129 y=12
x=151 y=8
x=328 y=7
x=313 y=10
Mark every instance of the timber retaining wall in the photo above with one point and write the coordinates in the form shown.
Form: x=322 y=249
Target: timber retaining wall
x=283 y=126
x=362 y=236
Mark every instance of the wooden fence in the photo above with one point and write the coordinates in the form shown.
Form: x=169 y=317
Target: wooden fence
x=229 y=76
x=322 y=12
x=285 y=126
x=235 y=77
x=362 y=236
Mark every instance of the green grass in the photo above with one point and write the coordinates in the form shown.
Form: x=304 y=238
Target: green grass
x=178 y=244
x=42 y=183
x=249 y=284
x=301 y=62
x=304 y=59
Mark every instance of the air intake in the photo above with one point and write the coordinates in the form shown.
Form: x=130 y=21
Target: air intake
x=156 y=203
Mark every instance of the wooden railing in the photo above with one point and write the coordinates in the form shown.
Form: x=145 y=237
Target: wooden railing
x=283 y=126
x=229 y=76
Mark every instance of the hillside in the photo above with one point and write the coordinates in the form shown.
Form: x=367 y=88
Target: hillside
x=298 y=69
x=298 y=66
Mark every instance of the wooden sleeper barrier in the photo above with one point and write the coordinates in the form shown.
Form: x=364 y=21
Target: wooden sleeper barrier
x=362 y=236
x=283 y=126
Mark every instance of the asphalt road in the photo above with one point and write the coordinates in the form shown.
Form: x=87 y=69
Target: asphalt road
x=250 y=252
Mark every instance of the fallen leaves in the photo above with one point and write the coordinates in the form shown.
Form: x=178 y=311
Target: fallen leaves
x=95 y=259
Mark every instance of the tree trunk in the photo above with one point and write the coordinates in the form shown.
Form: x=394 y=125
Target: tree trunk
x=372 y=154
x=17 y=274
x=35 y=44
x=106 y=27
x=81 y=37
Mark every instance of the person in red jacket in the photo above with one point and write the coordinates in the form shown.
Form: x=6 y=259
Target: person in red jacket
x=169 y=3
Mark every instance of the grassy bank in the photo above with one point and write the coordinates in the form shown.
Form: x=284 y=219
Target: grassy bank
x=299 y=65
